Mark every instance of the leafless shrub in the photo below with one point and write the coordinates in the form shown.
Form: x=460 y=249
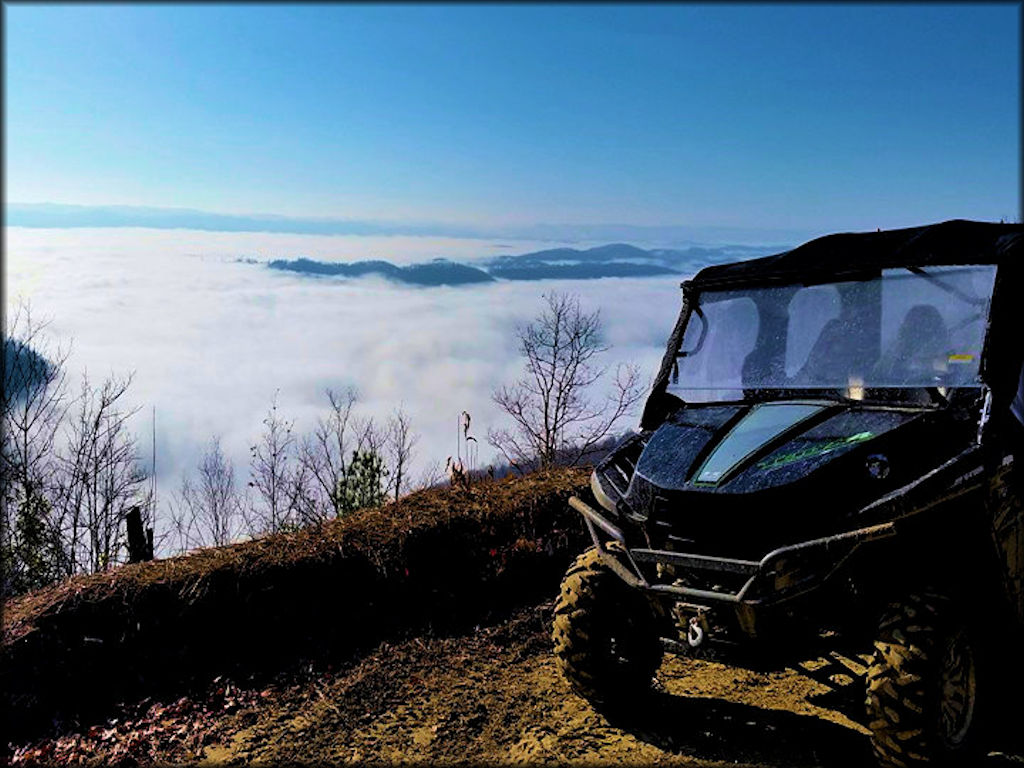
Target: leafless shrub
x=208 y=510
x=272 y=479
x=400 y=443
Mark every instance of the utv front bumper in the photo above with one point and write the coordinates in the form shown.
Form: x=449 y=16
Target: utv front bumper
x=746 y=585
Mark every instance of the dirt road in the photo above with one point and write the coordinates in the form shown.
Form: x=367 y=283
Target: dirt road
x=490 y=696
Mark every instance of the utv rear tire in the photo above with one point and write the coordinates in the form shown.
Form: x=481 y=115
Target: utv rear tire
x=605 y=636
x=922 y=686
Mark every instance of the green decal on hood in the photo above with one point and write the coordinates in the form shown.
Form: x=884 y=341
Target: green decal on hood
x=812 y=450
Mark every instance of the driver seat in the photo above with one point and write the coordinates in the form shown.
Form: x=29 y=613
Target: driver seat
x=830 y=359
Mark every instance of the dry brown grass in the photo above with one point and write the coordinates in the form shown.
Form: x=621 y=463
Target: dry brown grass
x=436 y=558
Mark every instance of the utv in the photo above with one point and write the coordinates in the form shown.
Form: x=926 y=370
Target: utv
x=827 y=452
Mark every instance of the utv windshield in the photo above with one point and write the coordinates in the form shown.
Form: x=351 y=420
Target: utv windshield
x=905 y=328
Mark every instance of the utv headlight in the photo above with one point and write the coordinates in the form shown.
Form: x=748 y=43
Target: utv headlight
x=603 y=498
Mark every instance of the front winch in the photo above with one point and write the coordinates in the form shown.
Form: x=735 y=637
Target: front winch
x=692 y=623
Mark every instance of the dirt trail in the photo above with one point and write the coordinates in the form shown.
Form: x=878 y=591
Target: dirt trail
x=490 y=696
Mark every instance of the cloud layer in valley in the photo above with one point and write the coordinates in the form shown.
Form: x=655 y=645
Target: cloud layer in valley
x=211 y=339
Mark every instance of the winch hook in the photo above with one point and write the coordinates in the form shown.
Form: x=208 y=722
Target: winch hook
x=695 y=634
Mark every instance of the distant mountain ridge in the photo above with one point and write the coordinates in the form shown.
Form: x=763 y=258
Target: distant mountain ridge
x=437 y=272
x=612 y=260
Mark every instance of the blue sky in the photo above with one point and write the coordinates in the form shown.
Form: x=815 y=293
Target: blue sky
x=808 y=117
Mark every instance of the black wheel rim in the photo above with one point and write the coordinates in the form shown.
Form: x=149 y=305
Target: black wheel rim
x=622 y=642
x=958 y=690
x=625 y=635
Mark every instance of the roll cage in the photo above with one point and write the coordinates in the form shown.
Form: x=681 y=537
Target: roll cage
x=862 y=256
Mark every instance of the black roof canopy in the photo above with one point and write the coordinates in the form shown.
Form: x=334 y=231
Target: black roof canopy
x=849 y=255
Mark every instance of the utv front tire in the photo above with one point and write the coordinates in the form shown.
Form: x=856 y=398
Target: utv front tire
x=922 y=686
x=605 y=637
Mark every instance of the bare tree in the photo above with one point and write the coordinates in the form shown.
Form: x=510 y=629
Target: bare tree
x=348 y=462
x=323 y=456
x=101 y=477
x=400 y=443
x=303 y=492
x=555 y=419
x=271 y=475
x=371 y=438
x=208 y=510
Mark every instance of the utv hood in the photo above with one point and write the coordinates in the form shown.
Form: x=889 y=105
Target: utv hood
x=744 y=448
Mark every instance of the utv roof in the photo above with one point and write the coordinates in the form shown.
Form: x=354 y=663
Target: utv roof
x=849 y=254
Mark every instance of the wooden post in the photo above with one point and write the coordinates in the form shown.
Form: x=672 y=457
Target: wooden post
x=140 y=545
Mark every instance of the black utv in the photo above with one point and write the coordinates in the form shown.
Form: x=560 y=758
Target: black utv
x=827 y=452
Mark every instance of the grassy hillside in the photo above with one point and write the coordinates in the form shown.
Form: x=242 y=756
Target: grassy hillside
x=441 y=558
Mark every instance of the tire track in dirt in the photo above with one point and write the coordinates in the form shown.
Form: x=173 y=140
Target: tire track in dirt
x=491 y=696
x=496 y=697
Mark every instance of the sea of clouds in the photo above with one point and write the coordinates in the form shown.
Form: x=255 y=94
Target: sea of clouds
x=211 y=339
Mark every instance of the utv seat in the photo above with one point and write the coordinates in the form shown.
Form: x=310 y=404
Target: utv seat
x=831 y=359
x=920 y=350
